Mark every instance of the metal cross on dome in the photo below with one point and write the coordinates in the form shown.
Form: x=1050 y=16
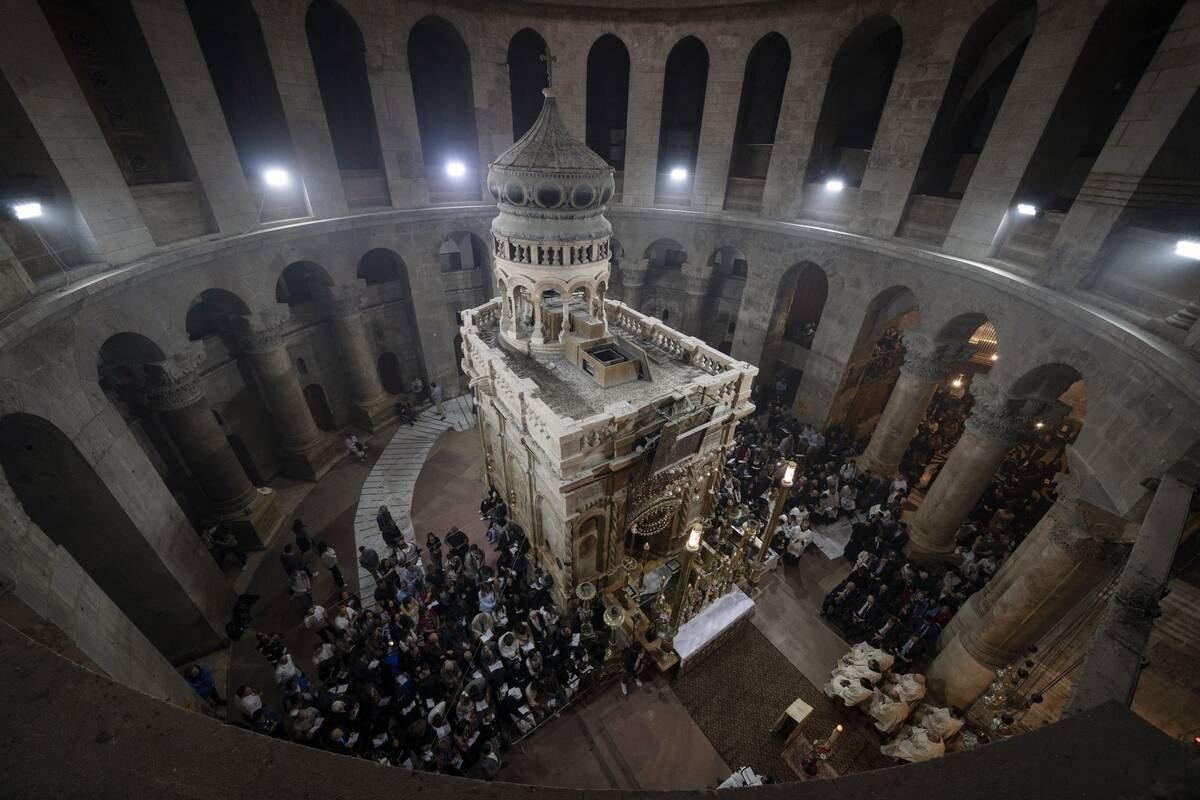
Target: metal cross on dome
x=549 y=61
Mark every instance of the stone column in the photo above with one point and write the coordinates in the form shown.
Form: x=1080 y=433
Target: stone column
x=633 y=283
x=176 y=396
x=696 y=286
x=642 y=125
x=719 y=125
x=990 y=433
x=305 y=451
x=372 y=407
x=1073 y=550
x=920 y=375
x=537 y=336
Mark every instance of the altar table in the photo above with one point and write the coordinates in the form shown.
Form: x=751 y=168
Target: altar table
x=704 y=632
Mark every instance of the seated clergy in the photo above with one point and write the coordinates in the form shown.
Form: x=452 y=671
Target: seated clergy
x=870 y=672
x=850 y=691
x=863 y=654
x=945 y=722
x=914 y=744
x=906 y=688
x=887 y=712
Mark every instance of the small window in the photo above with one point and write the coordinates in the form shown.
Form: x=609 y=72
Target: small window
x=301 y=367
x=451 y=262
x=740 y=268
x=732 y=325
x=673 y=259
x=666 y=314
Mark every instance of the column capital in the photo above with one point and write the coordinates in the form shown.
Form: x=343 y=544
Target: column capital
x=922 y=359
x=992 y=416
x=262 y=332
x=1085 y=531
x=175 y=383
x=344 y=300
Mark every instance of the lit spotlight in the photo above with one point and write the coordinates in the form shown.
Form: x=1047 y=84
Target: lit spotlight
x=276 y=177
x=27 y=210
x=1039 y=425
x=679 y=174
x=456 y=169
x=957 y=382
x=1186 y=248
x=995 y=356
x=834 y=185
x=1027 y=209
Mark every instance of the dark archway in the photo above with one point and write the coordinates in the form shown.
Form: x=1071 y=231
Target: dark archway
x=1118 y=50
x=440 y=66
x=214 y=312
x=685 y=83
x=608 y=99
x=382 y=266
x=799 y=304
x=391 y=375
x=526 y=78
x=318 y=406
x=339 y=58
x=299 y=281
x=64 y=496
x=236 y=55
x=854 y=99
x=985 y=65
x=763 y=83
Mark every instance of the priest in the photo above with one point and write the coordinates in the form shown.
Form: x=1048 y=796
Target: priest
x=914 y=744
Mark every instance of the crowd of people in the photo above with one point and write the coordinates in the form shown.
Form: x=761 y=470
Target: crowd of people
x=459 y=656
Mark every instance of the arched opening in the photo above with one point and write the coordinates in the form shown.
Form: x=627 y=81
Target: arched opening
x=985 y=65
x=339 y=59
x=103 y=43
x=214 y=312
x=854 y=99
x=758 y=116
x=1118 y=50
x=440 y=66
x=63 y=495
x=723 y=301
x=391 y=375
x=685 y=84
x=665 y=254
x=526 y=78
x=794 y=320
x=968 y=346
x=318 y=406
x=875 y=360
x=608 y=101
x=232 y=43
x=58 y=240
x=299 y=282
x=463 y=251
x=588 y=552
x=381 y=266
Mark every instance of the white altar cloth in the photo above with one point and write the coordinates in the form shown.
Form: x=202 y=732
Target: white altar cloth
x=710 y=623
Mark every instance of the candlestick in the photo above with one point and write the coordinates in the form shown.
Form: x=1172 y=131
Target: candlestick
x=833 y=737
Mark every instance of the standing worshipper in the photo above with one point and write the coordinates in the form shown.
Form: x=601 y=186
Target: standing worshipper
x=301 y=586
x=436 y=394
x=329 y=560
x=200 y=678
x=369 y=560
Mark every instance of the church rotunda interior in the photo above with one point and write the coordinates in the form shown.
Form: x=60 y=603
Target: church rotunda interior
x=598 y=396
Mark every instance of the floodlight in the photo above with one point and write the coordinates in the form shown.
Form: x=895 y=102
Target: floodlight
x=679 y=174
x=456 y=169
x=27 y=210
x=276 y=177
x=834 y=185
x=1185 y=247
x=1027 y=209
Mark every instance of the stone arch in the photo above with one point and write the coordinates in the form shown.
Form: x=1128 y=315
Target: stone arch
x=763 y=83
x=235 y=53
x=854 y=99
x=461 y=251
x=984 y=67
x=685 y=84
x=799 y=303
x=440 y=65
x=61 y=491
x=381 y=265
x=874 y=362
x=526 y=78
x=608 y=99
x=213 y=312
x=299 y=282
x=1124 y=38
x=339 y=60
x=665 y=254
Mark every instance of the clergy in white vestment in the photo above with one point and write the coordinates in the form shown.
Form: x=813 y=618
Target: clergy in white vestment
x=945 y=722
x=800 y=536
x=869 y=672
x=914 y=744
x=887 y=713
x=850 y=692
x=906 y=688
x=863 y=654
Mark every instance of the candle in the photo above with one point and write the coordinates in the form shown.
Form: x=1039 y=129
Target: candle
x=833 y=737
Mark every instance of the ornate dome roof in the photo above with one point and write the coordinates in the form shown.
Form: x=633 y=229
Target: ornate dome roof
x=549 y=175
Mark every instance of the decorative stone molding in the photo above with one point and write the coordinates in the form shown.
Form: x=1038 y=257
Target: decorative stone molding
x=991 y=417
x=175 y=383
x=1082 y=548
x=262 y=333
x=922 y=361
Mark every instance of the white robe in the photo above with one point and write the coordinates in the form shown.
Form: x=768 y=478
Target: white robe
x=914 y=744
x=798 y=540
x=887 y=713
x=938 y=720
x=855 y=673
x=863 y=654
x=851 y=692
x=906 y=688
